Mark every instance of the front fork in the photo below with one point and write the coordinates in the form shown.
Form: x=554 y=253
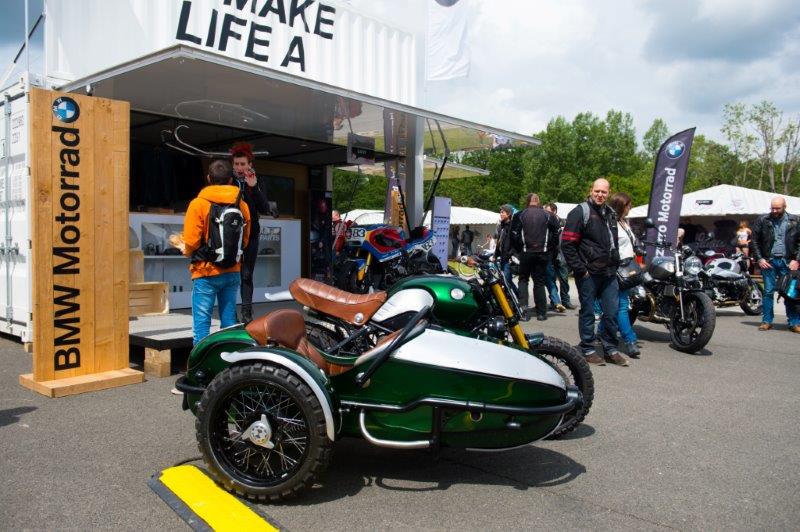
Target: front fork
x=508 y=314
x=363 y=271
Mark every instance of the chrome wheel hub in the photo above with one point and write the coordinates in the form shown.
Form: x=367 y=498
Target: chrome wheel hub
x=259 y=433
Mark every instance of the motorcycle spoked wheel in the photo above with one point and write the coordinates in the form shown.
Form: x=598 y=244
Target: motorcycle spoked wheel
x=692 y=333
x=576 y=372
x=753 y=301
x=241 y=396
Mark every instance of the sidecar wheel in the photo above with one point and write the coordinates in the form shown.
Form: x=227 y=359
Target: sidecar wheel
x=276 y=403
x=573 y=367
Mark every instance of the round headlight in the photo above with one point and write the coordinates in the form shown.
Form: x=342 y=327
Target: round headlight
x=692 y=265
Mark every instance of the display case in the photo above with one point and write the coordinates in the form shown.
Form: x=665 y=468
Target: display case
x=277 y=264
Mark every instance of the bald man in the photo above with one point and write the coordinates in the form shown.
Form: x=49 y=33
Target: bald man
x=775 y=245
x=589 y=244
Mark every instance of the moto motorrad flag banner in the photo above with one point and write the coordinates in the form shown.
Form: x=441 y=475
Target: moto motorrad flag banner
x=447 y=46
x=666 y=195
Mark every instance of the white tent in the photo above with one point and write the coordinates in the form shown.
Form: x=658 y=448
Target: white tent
x=458 y=216
x=725 y=201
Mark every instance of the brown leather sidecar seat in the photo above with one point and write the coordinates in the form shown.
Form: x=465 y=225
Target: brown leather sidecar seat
x=353 y=308
x=286 y=327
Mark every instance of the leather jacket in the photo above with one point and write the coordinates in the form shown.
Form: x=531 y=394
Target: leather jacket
x=764 y=235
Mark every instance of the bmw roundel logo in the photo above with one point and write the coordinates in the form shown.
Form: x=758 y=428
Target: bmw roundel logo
x=66 y=109
x=675 y=149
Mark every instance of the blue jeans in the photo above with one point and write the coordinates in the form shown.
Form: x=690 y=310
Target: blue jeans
x=605 y=289
x=205 y=292
x=626 y=331
x=779 y=267
x=505 y=267
x=552 y=289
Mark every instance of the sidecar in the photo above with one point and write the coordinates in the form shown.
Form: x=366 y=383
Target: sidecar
x=270 y=405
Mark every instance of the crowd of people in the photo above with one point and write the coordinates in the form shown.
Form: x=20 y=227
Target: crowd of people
x=594 y=243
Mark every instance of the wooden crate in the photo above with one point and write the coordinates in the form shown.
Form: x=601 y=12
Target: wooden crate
x=136 y=266
x=148 y=298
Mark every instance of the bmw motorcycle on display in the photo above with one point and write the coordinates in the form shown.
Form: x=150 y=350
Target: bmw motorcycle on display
x=270 y=404
x=672 y=294
x=727 y=282
x=376 y=256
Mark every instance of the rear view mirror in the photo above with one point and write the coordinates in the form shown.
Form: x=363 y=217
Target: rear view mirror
x=648 y=223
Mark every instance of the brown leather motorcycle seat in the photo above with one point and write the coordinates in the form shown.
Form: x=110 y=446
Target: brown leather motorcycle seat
x=354 y=308
x=286 y=328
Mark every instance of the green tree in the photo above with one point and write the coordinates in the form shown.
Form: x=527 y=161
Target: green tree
x=653 y=138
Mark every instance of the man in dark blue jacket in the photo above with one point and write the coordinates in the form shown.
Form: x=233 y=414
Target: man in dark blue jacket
x=589 y=243
x=775 y=245
x=534 y=232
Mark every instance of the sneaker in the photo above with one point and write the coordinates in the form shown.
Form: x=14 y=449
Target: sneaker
x=632 y=349
x=794 y=328
x=175 y=391
x=570 y=306
x=765 y=326
x=616 y=358
x=551 y=306
x=595 y=359
x=561 y=308
x=541 y=317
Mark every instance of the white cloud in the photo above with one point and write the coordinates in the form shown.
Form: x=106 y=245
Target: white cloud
x=567 y=57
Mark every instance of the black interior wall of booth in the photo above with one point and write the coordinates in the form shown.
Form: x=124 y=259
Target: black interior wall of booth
x=163 y=178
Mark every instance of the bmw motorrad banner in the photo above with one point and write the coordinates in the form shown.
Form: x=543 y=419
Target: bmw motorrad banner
x=666 y=195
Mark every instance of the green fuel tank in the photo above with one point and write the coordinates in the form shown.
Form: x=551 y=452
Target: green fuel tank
x=454 y=299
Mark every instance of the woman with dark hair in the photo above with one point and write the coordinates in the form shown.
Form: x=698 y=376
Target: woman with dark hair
x=620 y=202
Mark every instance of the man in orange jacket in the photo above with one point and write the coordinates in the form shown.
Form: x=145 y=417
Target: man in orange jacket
x=210 y=282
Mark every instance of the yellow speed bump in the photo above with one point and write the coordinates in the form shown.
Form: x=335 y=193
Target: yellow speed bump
x=200 y=502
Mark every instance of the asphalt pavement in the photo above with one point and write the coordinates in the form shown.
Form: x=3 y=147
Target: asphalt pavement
x=674 y=441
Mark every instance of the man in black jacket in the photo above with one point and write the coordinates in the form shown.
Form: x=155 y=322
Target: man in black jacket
x=533 y=233
x=589 y=243
x=255 y=196
x=503 y=250
x=775 y=245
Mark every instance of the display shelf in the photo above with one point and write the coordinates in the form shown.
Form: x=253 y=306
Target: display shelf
x=273 y=272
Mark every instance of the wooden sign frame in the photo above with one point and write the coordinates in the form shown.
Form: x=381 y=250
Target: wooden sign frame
x=79 y=157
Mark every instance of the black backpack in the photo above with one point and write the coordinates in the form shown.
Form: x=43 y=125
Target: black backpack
x=225 y=233
x=788 y=285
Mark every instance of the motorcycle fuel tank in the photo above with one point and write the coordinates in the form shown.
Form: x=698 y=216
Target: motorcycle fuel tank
x=454 y=300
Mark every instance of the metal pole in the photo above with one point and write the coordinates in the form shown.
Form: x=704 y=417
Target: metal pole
x=27 y=54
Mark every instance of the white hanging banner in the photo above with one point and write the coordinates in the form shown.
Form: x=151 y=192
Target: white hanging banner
x=447 y=48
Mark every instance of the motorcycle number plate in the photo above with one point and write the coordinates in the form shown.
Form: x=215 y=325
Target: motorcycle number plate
x=356 y=233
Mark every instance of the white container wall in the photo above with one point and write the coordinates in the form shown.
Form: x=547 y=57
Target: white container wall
x=338 y=45
x=15 y=263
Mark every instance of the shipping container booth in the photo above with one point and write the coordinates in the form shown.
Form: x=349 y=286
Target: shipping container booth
x=208 y=71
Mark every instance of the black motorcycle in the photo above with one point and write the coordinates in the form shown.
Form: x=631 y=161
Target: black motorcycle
x=727 y=282
x=674 y=296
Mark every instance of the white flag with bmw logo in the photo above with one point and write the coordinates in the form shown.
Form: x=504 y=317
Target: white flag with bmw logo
x=447 y=49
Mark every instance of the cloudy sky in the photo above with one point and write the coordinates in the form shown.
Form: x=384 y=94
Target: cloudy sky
x=680 y=60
